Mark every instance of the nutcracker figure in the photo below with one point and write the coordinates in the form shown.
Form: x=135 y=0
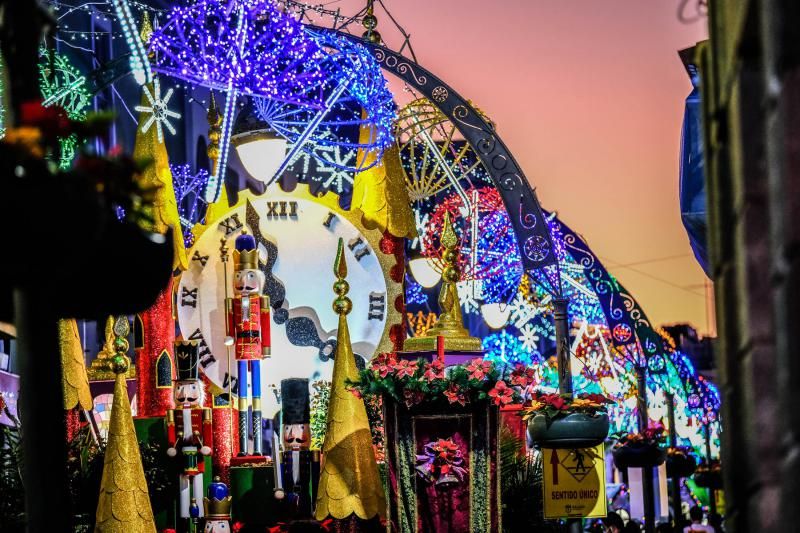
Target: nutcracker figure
x=248 y=331
x=189 y=427
x=299 y=465
x=217 y=508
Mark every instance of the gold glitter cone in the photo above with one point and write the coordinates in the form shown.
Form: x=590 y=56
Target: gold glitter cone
x=74 y=380
x=349 y=482
x=157 y=174
x=124 y=503
x=380 y=191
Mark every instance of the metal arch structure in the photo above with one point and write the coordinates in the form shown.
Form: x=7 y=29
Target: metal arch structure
x=621 y=309
x=527 y=218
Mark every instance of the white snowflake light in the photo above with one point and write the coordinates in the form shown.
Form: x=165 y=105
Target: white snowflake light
x=159 y=113
x=469 y=294
x=529 y=337
x=338 y=173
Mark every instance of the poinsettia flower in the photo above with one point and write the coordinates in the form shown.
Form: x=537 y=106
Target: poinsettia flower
x=434 y=370
x=412 y=397
x=522 y=375
x=478 y=368
x=405 y=368
x=455 y=395
x=384 y=364
x=356 y=393
x=501 y=394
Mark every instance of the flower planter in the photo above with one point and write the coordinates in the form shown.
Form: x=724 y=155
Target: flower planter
x=708 y=479
x=680 y=465
x=631 y=456
x=575 y=430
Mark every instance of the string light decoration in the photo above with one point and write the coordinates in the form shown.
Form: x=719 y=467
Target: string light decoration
x=63 y=85
x=435 y=158
x=140 y=65
x=493 y=256
x=189 y=194
x=159 y=113
x=505 y=349
x=239 y=46
x=2 y=99
x=245 y=45
x=357 y=102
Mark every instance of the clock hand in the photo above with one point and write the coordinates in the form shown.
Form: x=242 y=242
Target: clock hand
x=273 y=287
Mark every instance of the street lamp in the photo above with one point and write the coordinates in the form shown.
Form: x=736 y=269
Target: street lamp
x=260 y=149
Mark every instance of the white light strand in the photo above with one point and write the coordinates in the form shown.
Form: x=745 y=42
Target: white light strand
x=140 y=64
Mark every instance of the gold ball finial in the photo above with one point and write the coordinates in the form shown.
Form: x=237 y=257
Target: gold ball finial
x=119 y=364
x=342 y=305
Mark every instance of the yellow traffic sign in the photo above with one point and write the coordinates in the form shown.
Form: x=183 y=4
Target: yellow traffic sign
x=574 y=483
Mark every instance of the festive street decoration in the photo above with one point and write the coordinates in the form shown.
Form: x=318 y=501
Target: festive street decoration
x=190 y=190
x=74 y=379
x=124 y=504
x=189 y=428
x=354 y=127
x=240 y=47
x=248 y=328
x=139 y=62
x=349 y=486
x=160 y=114
x=507 y=350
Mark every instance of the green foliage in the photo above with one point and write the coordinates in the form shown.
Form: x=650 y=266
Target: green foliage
x=522 y=482
x=319 y=412
x=12 y=492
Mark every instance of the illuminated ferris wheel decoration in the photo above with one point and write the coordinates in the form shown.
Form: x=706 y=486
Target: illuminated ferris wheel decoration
x=435 y=157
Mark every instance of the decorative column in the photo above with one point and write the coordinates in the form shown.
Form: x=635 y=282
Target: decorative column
x=647 y=472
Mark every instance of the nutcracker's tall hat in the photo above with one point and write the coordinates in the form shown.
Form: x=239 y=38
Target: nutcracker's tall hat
x=245 y=254
x=295 y=401
x=218 y=502
x=187 y=358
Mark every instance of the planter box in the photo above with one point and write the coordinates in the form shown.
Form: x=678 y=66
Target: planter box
x=415 y=505
x=576 y=430
x=638 y=456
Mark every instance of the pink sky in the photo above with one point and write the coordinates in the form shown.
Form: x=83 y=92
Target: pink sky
x=588 y=95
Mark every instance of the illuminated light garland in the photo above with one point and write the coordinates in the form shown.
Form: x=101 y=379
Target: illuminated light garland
x=505 y=349
x=158 y=110
x=63 y=85
x=414 y=293
x=140 y=65
x=246 y=45
x=240 y=47
x=365 y=101
x=496 y=256
x=190 y=195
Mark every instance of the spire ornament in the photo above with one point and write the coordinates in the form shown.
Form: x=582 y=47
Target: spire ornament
x=349 y=485
x=124 y=503
x=450 y=325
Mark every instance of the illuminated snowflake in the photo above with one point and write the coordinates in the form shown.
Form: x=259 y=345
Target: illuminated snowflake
x=529 y=337
x=159 y=113
x=522 y=312
x=421 y=220
x=469 y=292
x=338 y=173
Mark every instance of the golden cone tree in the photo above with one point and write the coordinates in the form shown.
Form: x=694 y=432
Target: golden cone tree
x=124 y=503
x=349 y=482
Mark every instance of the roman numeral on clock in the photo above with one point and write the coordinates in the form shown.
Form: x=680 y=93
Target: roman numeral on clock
x=377 y=305
x=202 y=259
x=206 y=357
x=279 y=209
x=330 y=218
x=359 y=248
x=233 y=380
x=189 y=297
x=230 y=224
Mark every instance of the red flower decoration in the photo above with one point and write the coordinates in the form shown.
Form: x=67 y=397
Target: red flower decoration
x=412 y=397
x=237 y=526
x=405 y=368
x=455 y=395
x=434 y=370
x=501 y=394
x=478 y=368
x=384 y=364
x=522 y=376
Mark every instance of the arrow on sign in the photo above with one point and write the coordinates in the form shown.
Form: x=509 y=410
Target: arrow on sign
x=555 y=462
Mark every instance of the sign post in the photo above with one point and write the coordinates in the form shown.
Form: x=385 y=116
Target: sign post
x=574 y=483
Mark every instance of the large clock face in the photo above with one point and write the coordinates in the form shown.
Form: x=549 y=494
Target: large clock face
x=298 y=237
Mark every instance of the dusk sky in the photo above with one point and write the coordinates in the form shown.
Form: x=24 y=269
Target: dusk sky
x=588 y=95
